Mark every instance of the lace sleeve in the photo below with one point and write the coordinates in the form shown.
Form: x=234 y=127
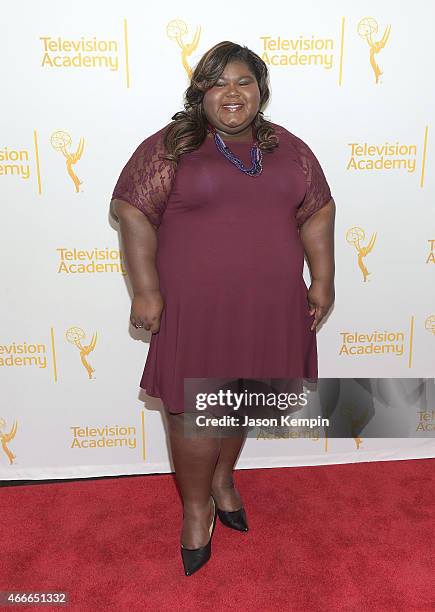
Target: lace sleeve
x=146 y=179
x=318 y=192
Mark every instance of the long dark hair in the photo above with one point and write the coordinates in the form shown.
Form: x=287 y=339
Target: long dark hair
x=189 y=127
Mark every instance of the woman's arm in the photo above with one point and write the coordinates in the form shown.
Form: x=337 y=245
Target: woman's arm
x=139 y=240
x=317 y=235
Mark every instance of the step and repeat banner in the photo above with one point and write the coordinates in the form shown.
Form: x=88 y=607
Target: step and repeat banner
x=83 y=85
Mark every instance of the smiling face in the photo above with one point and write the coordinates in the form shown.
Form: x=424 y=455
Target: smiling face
x=232 y=103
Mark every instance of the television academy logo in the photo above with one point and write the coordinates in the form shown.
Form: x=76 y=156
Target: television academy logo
x=84 y=52
x=304 y=51
x=75 y=335
x=106 y=436
x=356 y=421
x=176 y=30
x=15 y=162
x=43 y=355
x=6 y=437
x=115 y=436
x=90 y=261
x=307 y=51
x=366 y=156
x=23 y=354
x=358 y=344
x=429 y=324
x=431 y=254
x=367 y=28
x=355 y=236
x=61 y=141
x=25 y=163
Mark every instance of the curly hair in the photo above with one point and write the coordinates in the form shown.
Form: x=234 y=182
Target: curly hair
x=189 y=127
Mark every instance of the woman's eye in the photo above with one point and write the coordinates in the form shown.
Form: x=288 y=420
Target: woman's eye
x=223 y=84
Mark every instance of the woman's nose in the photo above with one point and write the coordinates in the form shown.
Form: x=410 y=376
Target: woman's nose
x=233 y=89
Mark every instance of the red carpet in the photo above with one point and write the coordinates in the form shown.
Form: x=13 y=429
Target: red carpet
x=351 y=537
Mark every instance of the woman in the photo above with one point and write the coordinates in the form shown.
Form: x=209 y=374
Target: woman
x=216 y=210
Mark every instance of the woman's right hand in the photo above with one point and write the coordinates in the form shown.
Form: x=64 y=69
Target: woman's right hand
x=146 y=310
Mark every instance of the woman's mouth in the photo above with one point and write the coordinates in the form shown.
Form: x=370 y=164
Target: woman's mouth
x=232 y=108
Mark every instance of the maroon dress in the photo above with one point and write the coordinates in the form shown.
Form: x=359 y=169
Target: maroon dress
x=230 y=261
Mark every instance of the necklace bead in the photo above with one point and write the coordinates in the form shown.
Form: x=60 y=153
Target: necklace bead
x=255 y=154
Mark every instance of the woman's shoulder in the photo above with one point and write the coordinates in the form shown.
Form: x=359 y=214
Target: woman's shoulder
x=286 y=135
x=301 y=151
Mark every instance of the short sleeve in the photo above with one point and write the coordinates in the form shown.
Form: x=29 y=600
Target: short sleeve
x=318 y=192
x=146 y=179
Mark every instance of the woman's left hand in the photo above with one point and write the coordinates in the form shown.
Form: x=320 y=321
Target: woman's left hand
x=320 y=297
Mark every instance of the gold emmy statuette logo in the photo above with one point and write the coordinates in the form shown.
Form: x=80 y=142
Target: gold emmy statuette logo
x=354 y=236
x=75 y=335
x=366 y=28
x=175 y=30
x=355 y=424
x=6 y=437
x=429 y=324
x=61 y=141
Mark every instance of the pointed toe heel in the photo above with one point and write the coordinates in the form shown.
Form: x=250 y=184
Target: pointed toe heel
x=195 y=558
x=235 y=519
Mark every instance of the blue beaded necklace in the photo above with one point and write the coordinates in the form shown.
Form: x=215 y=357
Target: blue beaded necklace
x=255 y=153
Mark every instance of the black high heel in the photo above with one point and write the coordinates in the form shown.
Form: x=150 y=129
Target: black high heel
x=195 y=558
x=235 y=519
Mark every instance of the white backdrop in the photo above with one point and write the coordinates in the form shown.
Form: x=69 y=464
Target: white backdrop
x=83 y=84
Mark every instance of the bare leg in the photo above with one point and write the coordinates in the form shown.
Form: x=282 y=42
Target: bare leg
x=194 y=462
